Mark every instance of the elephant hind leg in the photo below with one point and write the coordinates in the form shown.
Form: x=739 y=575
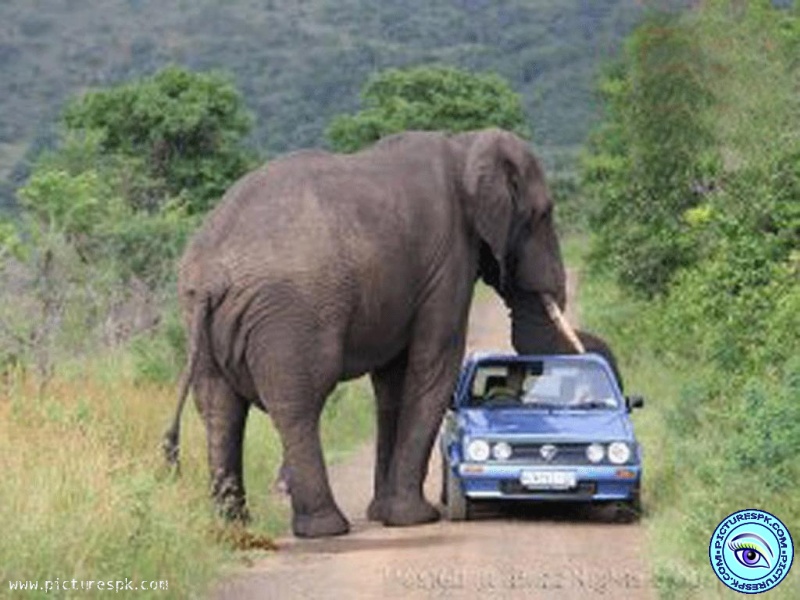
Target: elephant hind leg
x=225 y=415
x=294 y=398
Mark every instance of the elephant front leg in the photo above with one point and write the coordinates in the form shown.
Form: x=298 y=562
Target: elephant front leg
x=388 y=385
x=225 y=416
x=427 y=389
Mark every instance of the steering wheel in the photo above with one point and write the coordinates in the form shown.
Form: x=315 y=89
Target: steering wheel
x=501 y=396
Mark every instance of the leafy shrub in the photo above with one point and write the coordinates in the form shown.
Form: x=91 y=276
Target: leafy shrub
x=428 y=98
x=160 y=355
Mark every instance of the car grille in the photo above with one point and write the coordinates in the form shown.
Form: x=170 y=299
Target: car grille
x=566 y=454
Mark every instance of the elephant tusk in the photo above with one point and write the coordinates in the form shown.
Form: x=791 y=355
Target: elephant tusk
x=561 y=323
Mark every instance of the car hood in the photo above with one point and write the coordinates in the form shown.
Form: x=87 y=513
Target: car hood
x=590 y=425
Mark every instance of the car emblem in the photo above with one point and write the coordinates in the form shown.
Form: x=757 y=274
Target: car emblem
x=548 y=452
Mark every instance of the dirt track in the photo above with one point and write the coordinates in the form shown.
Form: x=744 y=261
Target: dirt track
x=553 y=553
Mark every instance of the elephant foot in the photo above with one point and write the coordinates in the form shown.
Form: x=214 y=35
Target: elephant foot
x=377 y=510
x=229 y=499
x=402 y=513
x=325 y=524
x=234 y=511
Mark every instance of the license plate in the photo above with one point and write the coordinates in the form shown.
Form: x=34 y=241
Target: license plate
x=548 y=480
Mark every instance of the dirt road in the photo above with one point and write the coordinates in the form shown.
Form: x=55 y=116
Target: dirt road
x=553 y=553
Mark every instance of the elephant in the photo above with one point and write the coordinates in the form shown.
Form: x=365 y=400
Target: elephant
x=321 y=267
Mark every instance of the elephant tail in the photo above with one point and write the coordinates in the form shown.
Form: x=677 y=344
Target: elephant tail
x=171 y=442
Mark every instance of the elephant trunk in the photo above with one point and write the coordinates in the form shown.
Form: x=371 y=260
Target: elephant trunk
x=538 y=326
x=561 y=323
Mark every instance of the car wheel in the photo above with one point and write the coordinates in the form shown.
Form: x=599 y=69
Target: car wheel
x=616 y=511
x=630 y=511
x=457 y=508
x=443 y=495
x=624 y=511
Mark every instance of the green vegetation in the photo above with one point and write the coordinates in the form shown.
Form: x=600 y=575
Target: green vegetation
x=707 y=319
x=299 y=63
x=653 y=155
x=424 y=99
x=104 y=216
x=186 y=128
x=85 y=493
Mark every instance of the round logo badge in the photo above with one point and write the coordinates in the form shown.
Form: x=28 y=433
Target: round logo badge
x=751 y=551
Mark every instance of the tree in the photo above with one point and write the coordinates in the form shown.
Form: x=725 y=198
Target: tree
x=186 y=128
x=653 y=157
x=49 y=290
x=428 y=98
x=105 y=214
x=108 y=208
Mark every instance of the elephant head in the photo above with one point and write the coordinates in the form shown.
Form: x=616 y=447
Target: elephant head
x=510 y=209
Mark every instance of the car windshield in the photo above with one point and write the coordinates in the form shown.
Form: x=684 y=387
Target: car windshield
x=551 y=384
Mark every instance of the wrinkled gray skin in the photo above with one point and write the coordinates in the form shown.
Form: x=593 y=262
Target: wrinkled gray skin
x=319 y=268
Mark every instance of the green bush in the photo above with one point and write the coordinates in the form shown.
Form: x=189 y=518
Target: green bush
x=428 y=98
x=159 y=356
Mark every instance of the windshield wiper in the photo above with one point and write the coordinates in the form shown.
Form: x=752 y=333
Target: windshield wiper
x=546 y=405
x=590 y=404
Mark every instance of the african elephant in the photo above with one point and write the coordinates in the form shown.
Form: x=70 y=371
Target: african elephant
x=321 y=267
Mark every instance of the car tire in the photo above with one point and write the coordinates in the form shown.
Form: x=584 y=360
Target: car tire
x=622 y=511
x=615 y=511
x=630 y=511
x=457 y=507
x=443 y=495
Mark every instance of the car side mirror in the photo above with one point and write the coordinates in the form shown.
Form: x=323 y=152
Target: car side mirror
x=634 y=402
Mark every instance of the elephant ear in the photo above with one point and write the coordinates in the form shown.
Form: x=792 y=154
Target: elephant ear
x=494 y=176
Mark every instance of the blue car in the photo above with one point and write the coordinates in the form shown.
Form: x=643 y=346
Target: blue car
x=539 y=428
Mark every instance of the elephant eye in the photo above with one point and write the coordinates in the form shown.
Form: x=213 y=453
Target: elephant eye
x=547 y=214
x=514 y=189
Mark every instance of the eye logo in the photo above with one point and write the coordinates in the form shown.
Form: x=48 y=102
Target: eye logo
x=751 y=551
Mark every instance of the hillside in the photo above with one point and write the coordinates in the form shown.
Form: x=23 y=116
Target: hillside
x=299 y=63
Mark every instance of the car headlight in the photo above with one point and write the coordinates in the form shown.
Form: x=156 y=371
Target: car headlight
x=595 y=452
x=478 y=450
x=501 y=451
x=619 y=452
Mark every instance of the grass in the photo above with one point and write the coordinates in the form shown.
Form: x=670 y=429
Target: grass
x=85 y=495
x=690 y=484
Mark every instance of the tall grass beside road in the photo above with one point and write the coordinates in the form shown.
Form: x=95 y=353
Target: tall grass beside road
x=85 y=495
x=693 y=178
x=714 y=442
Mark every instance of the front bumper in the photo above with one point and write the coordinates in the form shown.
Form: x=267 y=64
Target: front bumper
x=482 y=481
